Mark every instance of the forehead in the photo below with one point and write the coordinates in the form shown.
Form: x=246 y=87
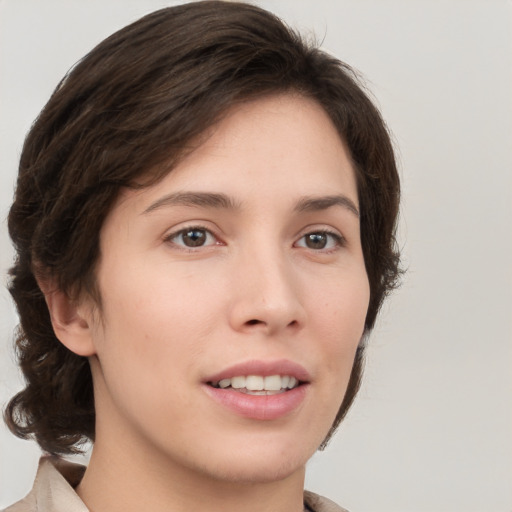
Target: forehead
x=282 y=143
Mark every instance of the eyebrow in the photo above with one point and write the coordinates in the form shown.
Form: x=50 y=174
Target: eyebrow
x=222 y=201
x=312 y=204
x=199 y=199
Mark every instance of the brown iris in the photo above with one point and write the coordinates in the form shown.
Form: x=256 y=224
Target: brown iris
x=316 y=240
x=194 y=237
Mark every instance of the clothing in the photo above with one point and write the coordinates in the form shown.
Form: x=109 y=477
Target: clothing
x=53 y=491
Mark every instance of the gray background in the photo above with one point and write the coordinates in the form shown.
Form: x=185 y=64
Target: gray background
x=432 y=428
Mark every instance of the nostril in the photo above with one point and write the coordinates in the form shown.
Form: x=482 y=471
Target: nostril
x=254 y=322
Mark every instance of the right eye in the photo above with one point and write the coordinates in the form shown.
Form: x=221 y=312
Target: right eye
x=192 y=237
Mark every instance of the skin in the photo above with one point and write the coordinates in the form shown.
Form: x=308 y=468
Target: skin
x=173 y=315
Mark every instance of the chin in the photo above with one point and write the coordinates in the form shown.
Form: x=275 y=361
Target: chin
x=253 y=472
x=258 y=462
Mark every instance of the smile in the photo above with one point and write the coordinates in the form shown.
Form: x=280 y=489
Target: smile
x=260 y=390
x=258 y=384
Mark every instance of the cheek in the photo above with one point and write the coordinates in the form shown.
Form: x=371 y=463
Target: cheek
x=342 y=301
x=156 y=314
x=340 y=318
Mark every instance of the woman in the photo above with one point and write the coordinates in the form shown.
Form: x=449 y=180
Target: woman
x=204 y=224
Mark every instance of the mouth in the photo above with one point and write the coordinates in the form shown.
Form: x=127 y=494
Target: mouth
x=260 y=390
x=258 y=384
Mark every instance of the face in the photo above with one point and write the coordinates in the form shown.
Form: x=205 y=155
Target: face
x=234 y=295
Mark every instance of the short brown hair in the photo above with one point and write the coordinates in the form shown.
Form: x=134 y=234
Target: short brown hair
x=134 y=103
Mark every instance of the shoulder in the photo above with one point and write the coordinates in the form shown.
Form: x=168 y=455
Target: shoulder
x=318 y=503
x=25 y=505
x=53 y=489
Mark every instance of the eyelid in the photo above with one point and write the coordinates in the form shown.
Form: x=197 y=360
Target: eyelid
x=174 y=232
x=341 y=241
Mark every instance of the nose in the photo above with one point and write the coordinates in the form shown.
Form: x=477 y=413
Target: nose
x=266 y=295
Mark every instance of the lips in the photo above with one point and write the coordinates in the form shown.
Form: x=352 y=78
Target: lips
x=258 y=389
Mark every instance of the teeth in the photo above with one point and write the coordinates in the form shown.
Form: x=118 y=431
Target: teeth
x=258 y=383
x=292 y=383
x=238 y=382
x=254 y=382
x=272 y=383
x=224 y=383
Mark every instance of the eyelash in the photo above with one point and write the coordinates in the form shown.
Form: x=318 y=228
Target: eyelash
x=339 y=240
x=175 y=234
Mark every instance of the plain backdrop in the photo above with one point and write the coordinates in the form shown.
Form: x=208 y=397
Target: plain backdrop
x=432 y=428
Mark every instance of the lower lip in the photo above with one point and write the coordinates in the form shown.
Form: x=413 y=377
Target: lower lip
x=259 y=407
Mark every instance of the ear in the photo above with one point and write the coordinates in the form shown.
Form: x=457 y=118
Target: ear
x=71 y=321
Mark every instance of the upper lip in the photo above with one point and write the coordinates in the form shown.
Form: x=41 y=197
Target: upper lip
x=263 y=368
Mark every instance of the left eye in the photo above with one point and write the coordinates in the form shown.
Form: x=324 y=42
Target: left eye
x=319 y=240
x=192 y=237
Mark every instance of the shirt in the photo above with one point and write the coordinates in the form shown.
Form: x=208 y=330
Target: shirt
x=53 y=491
